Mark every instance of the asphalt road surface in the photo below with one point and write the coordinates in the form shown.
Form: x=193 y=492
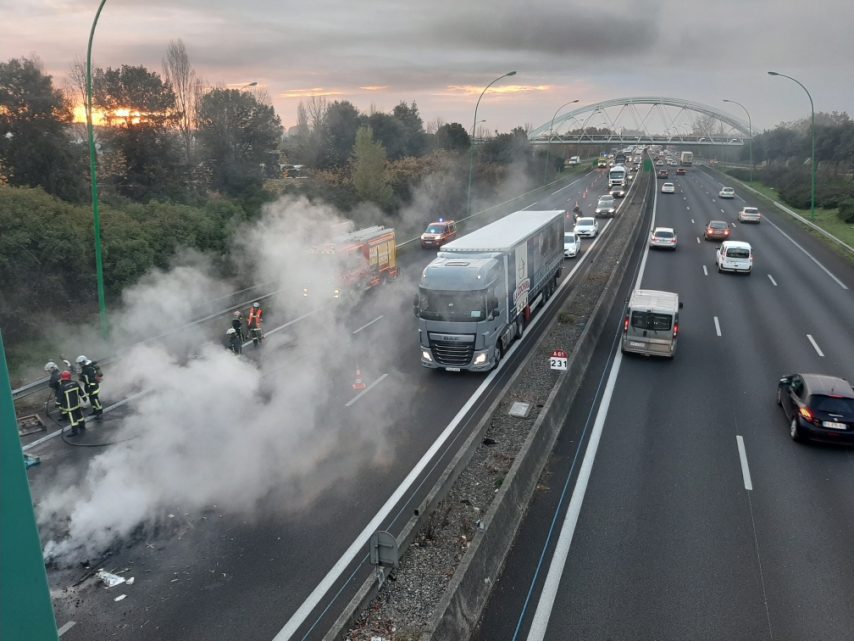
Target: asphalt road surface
x=701 y=519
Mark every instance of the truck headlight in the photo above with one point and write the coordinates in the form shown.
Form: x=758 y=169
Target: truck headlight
x=481 y=359
x=425 y=354
x=336 y=293
x=305 y=291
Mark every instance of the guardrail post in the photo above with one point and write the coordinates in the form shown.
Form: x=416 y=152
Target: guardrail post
x=26 y=611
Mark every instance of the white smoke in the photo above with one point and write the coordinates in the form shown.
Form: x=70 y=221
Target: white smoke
x=218 y=429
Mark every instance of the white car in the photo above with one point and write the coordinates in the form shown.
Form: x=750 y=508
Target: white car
x=726 y=192
x=749 y=215
x=668 y=188
x=571 y=244
x=606 y=206
x=663 y=237
x=586 y=227
x=734 y=256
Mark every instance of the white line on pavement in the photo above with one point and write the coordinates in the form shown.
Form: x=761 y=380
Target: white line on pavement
x=692 y=221
x=366 y=390
x=705 y=271
x=722 y=211
x=717 y=326
x=698 y=240
x=745 y=471
x=65 y=628
x=771 y=278
x=733 y=224
x=810 y=256
x=815 y=345
x=366 y=325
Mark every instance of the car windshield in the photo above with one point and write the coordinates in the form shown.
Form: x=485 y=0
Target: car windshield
x=727 y=190
x=716 y=224
x=569 y=238
x=452 y=306
x=750 y=210
x=651 y=321
x=663 y=234
x=435 y=229
x=585 y=222
x=738 y=252
x=832 y=405
x=606 y=202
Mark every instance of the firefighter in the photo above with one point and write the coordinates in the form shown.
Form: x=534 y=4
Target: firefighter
x=90 y=379
x=233 y=341
x=237 y=324
x=70 y=398
x=254 y=322
x=53 y=371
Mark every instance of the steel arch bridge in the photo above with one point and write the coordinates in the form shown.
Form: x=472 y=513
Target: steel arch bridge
x=646 y=120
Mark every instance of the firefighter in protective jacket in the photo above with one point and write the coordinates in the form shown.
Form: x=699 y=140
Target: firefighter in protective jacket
x=70 y=398
x=90 y=379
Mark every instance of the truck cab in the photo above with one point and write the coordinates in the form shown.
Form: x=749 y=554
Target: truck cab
x=438 y=233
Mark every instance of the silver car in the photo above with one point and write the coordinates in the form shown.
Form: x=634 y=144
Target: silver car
x=749 y=215
x=571 y=244
x=586 y=227
x=606 y=206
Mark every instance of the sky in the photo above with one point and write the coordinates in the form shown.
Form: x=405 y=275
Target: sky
x=442 y=53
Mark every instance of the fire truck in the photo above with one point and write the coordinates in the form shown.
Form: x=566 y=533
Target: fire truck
x=352 y=263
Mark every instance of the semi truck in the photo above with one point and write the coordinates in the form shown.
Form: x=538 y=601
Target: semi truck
x=351 y=263
x=687 y=158
x=477 y=296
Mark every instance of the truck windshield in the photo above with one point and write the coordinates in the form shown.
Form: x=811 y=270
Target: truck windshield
x=435 y=229
x=452 y=306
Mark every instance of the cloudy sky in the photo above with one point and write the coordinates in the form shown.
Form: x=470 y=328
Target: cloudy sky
x=441 y=53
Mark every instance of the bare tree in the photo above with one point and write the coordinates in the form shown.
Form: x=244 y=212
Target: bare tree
x=75 y=86
x=316 y=109
x=178 y=72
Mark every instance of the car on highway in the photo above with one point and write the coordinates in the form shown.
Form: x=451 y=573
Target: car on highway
x=680 y=171
x=734 y=256
x=663 y=238
x=606 y=206
x=726 y=192
x=438 y=233
x=586 y=227
x=749 y=215
x=717 y=230
x=571 y=244
x=818 y=407
x=668 y=188
x=662 y=173
x=651 y=323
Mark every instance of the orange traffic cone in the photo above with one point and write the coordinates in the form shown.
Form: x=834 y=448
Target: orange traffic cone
x=359 y=384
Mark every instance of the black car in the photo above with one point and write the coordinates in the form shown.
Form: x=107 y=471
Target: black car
x=817 y=407
x=662 y=173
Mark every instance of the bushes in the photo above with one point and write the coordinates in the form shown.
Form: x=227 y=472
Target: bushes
x=846 y=211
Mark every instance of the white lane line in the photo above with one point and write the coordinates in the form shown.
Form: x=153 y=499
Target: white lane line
x=291 y=322
x=687 y=207
x=366 y=325
x=815 y=345
x=705 y=271
x=366 y=390
x=732 y=224
x=717 y=326
x=771 y=278
x=810 y=256
x=722 y=211
x=65 y=628
x=698 y=240
x=692 y=221
x=547 y=596
x=745 y=471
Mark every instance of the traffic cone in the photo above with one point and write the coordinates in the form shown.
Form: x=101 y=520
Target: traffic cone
x=359 y=384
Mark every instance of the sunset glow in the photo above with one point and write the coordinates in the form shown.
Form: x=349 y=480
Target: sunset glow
x=308 y=93
x=100 y=118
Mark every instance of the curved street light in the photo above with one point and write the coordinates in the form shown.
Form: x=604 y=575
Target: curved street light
x=812 y=130
x=471 y=145
x=750 y=126
x=93 y=175
x=551 y=133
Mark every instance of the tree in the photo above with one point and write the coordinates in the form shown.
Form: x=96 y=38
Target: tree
x=139 y=109
x=369 y=175
x=179 y=74
x=238 y=133
x=340 y=122
x=452 y=137
x=34 y=146
x=388 y=131
x=414 y=139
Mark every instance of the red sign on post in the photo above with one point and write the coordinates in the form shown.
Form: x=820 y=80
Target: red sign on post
x=559 y=360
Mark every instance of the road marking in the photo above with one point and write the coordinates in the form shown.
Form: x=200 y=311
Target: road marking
x=722 y=211
x=291 y=322
x=366 y=390
x=717 y=326
x=733 y=225
x=692 y=221
x=687 y=207
x=745 y=471
x=810 y=256
x=698 y=240
x=65 y=628
x=366 y=325
x=705 y=271
x=815 y=345
x=771 y=278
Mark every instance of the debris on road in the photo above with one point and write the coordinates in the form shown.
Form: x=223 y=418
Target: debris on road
x=121 y=597
x=110 y=580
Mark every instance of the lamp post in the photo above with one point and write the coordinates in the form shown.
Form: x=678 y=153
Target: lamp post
x=93 y=175
x=812 y=130
x=473 y=126
x=551 y=133
x=750 y=126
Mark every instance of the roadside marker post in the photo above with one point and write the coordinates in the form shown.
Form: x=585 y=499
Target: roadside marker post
x=559 y=360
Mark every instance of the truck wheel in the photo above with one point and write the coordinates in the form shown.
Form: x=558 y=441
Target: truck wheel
x=499 y=354
x=520 y=325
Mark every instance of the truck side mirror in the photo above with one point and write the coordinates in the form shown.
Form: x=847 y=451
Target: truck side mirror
x=681 y=304
x=415 y=307
x=492 y=303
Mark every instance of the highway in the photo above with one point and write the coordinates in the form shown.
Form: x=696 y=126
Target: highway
x=283 y=569
x=693 y=515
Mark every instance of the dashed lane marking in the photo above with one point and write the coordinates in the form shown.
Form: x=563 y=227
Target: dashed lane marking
x=771 y=278
x=815 y=345
x=745 y=470
x=717 y=326
x=366 y=325
x=705 y=271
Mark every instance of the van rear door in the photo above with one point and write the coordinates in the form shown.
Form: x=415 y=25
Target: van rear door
x=651 y=332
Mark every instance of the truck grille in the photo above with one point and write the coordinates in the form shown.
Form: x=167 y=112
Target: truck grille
x=452 y=354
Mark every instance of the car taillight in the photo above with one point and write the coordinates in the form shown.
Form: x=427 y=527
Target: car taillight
x=626 y=324
x=807 y=414
x=675 y=329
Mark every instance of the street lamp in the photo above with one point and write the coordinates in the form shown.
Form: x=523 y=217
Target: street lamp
x=750 y=126
x=812 y=129
x=93 y=175
x=551 y=133
x=473 y=126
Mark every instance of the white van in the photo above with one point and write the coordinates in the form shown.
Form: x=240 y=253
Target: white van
x=573 y=160
x=734 y=256
x=651 y=324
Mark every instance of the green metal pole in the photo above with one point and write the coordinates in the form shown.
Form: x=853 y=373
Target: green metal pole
x=26 y=611
x=471 y=144
x=93 y=173
x=812 y=129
